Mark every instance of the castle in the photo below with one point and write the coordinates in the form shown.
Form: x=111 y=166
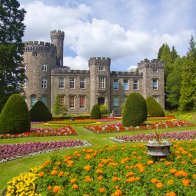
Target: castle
x=79 y=90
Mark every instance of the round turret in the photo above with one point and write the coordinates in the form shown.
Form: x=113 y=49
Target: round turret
x=57 y=38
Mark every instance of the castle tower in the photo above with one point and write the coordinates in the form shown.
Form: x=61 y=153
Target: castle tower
x=57 y=38
x=153 y=79
x=39 y=59
x=99 y=81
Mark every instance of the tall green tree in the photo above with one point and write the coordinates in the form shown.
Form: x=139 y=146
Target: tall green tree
x=188 y=88
x=59 y=108
x=11 y=48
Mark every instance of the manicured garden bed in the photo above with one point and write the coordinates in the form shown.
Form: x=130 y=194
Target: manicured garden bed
x=118 y=127
x=112 y=170
x=41 y=132
x=14 y=151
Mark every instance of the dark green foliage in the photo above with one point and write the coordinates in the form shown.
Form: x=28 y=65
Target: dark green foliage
x=96 y=112
x=11 y=48
x=154 y=108
x=60 y=109
x=135 y=110
x=39 y=112
x=15 y=116
x=188 y=88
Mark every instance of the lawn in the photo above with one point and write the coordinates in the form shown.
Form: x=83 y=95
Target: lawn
x=13 y=168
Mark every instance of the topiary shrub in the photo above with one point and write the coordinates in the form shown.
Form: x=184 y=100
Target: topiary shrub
x=39 y=112
x=135 y=110
x=15 y=117
x=96 y=112
x=154 y=108
x=104 y=109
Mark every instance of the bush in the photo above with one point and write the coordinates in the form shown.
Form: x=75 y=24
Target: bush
x=15 y=117
x=104 y=109
x=154 y=108
x=135 y=110
x=40 y=112
x=96 y=112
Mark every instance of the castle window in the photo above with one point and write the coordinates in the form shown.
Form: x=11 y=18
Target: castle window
x=44 y=82
x=100 y=68
x=61 y=83
x=102 y=81
x=115 y=84
x=154 y=84
x=154 y=70
x=82 y=83
x=72 y=83
x=126 y=85
x=33 y=100
x=44 y=99
x=82 y=101
x=136 y=84
x=44 y=67
x=116 y=103
x=71 y=102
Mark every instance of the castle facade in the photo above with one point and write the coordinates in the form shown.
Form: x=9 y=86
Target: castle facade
x=79 y=90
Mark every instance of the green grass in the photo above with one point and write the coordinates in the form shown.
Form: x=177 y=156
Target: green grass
x=13 y=168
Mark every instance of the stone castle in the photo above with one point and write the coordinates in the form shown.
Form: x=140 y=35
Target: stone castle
x=79 y=90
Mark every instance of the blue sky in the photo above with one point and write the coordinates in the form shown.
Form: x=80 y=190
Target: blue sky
x=127 y=31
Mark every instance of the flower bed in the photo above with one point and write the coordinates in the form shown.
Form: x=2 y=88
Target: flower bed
x=122 y=170
x=119 y=128
x=41 y=132
x=14 y=151
x=184 y=135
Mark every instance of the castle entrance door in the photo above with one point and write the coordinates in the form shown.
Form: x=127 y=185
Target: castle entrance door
x=101 y=101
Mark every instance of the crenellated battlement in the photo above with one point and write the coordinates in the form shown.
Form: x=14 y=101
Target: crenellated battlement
x=124 y=73
x=99 y=61
x=150 y=64
x=67 y=70
x=36 y=46
x=57 y=35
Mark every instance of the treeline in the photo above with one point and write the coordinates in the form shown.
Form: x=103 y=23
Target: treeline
x=180 y=77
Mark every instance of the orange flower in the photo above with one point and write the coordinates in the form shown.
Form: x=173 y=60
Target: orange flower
x=88 y=179
x=53 y=172
x=73 y=180
x=190 y=155
x=70 y=163
x=194 y=161
x=170 y=194
x=117 y=193
x=137 y=178
x=49 y=188
x=58 y=163
x=131 y=179
x=99 y=178
x=170 y=182
x=88 y=157
x=129 y=174
x=117 y=187
x=102 y=190
x=100 y=165
x=159 y=170
x=87 y=167
x=61 y=173
x=168 y=163
x=41 y=174
x=150 y=162
x=186 y=182
x=74 y=186
x=114 y=179
x=99 y=171
x=159 y=185
x=154 y=180
x=173 y=171
x=194 y=176
x=56 y=189
x=181 y=173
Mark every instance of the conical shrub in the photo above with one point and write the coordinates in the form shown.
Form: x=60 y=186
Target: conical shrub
x=96 y=112
x=135 y=110
x=39 y=112
x=15 y=117
x=154 y=108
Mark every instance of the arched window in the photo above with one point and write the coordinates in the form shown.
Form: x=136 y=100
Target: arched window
x=33 y=100
x=44 y=99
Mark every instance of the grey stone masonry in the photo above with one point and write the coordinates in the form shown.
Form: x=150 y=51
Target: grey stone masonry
x=81 y=89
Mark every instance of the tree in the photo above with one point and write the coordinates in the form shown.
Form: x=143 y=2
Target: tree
x=39 y=112
x=188 y=88
x=135 y=111
x=15 y=116
x=104 y=109
x=11 y=48
x=96 y=112
x=59 y=108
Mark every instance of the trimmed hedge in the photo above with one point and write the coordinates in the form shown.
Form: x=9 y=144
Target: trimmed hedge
x=39 y=112
x=154 y=108
x=96 y=112
x=135 y=110
x=15 y=117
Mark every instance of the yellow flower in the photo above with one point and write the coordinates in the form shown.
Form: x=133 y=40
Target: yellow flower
x=170 y=182
x=74 y=186
x=73 y=180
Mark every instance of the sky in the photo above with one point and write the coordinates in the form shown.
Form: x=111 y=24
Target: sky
x=127 y=31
